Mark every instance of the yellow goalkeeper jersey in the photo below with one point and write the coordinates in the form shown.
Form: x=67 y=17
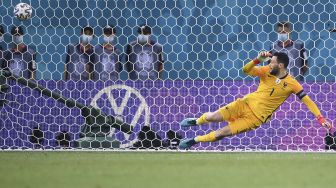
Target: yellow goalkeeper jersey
x=271 y=92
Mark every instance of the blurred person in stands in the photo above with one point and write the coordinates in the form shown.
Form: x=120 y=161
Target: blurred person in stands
x=2 y=33
x=80 y=57
x=20 y=58
x=144 y=56
x=2 y=88
x=2 y=48
x=298 y=63
x=107 y=65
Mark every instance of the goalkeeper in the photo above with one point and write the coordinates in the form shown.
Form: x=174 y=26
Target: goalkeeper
x=256 y=108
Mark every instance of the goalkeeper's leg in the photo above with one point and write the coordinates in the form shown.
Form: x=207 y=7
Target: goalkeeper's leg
x=235 y=127
x=226 y=113
x=204 y=119
x=211 y=137
x=245 y=121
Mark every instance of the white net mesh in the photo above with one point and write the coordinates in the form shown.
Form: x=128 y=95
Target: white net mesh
x=201 y=47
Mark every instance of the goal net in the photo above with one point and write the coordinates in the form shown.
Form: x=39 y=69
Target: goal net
x=204 y=44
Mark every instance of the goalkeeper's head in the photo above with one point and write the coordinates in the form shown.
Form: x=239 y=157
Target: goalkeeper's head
x=279 y=63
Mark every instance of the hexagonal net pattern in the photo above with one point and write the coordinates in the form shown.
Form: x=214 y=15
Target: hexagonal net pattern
x=124 y=74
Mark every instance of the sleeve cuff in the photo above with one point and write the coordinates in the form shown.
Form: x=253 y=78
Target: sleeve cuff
x=256 y=61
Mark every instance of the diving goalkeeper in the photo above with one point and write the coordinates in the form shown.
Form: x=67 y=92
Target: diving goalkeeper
x=256 y=108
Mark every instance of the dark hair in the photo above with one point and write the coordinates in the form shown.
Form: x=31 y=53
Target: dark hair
x=284 y=24
x=145 y=30
x=2 y=31
x=87 y=28
x=17 y=30
x=282 y=58
x=109 y=30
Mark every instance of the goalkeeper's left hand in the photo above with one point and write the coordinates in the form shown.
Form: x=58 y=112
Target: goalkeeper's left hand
x=324 y=122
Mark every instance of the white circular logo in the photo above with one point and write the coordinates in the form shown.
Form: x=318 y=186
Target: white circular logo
x=119 y=110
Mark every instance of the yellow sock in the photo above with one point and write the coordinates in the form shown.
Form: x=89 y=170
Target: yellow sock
x=211 y=137
x=202 y=120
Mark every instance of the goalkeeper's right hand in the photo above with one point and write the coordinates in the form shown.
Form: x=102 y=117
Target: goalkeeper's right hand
x=262 y=57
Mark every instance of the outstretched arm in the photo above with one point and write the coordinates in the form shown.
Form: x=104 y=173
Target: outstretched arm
x=251 y=69
x=314 y=109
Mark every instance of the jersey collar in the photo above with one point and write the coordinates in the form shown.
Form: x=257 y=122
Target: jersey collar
x=280 y=44
x=80 y=48
x=284 y=76
x=105 y=48
x=20 y=48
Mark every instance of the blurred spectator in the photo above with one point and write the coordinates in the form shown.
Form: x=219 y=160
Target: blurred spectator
x=2 y=32
x=80 y=57
x=2 y=79
x=298 y=64
x=107 y=61
x=144 y=56
x=20 y=59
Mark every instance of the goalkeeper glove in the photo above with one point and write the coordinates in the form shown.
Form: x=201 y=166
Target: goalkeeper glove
x=262 y=57
x=324 y=122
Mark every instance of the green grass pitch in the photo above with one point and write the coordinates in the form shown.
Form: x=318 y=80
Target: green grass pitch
x=166 y=170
